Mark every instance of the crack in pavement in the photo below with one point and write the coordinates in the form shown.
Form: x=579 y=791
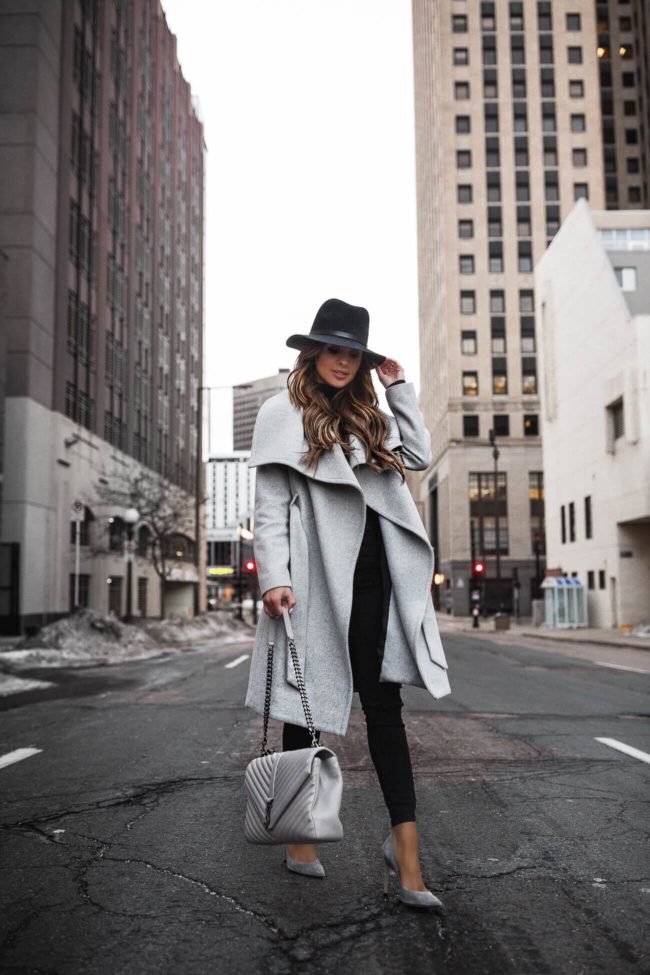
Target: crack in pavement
x=153 y=790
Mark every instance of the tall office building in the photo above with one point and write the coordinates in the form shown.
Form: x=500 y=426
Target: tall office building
x=247 y=399
x=101 y=218
x=521 y=109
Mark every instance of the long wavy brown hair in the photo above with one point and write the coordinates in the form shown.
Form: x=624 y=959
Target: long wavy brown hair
x=355 y=407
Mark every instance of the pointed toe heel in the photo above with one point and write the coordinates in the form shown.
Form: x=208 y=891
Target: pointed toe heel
x=313 y=868
x=412 y=898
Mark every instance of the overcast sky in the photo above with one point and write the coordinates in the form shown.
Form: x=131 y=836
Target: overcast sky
x=310 y=188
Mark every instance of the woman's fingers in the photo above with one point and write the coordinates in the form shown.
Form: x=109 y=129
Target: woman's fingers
x=275 y=599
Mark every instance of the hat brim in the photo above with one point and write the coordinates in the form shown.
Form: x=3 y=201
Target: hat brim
x=303 y=341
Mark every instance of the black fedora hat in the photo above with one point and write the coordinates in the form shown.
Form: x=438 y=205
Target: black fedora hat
x=338 y=323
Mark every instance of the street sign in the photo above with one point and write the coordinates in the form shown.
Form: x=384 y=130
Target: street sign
x=77 y=509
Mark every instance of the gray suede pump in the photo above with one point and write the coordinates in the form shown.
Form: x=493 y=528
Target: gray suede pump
x=313 y=868
x=414 y=898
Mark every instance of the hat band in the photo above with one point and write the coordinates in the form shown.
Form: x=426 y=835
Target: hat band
x=343 y=335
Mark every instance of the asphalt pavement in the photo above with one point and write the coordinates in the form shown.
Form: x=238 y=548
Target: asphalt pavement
x=123 y=849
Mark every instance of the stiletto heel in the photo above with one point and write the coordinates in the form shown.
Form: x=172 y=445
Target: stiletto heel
x=386 y=878
x=414 y=898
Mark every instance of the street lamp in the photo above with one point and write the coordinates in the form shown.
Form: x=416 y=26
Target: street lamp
x=131 y=517
x=497 y=546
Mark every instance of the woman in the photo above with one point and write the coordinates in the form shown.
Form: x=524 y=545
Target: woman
x=338 y=540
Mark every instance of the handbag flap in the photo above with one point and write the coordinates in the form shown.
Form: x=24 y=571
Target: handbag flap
x=292 y=771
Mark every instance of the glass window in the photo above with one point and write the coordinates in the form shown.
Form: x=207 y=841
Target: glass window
x=631 y=137
x=626 y=51
x=461 y=56
x=579 y=157
x=628 y=79
x=629 y=107
x=588 y=524
x=526 y=301
x=574 y=55
x=461 y=90
x=497 y=302
x=626 y=277
x=563 y=523
x=493 y=187
x=468 y=302
x=489 y=49
x=517 y=50
x=601 y=578
x=578 y=123
x=468 y=342
x=483 y=507
x=625 y=24
x=464 y=193
x=576 y=88
x=573 y=22
x=529 y=376
x=580 y=191
x=548 y=117
x=524 y=256
x=531 y=425
x=463 y=159
x=518 y=82
x=490 y=83
x=632 y=164
x=470 y=384
x=551 y=188
x=470 y=425
x=546 y=49
x=499 y=376
x=466 y=264
x=572 y=521
x=520 y=118
x=522 y=187
x=491 y=113
x=465 y=229
x=634 y=194
x=459 y=24
x=501 y=424
x=495 y=257
x=463 y=124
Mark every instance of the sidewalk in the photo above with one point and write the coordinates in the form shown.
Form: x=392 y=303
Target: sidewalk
x=609 y=638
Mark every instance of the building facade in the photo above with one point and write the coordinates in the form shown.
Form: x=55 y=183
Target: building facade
x=101 y=217
x=247 y=399
x=593 y=318
x=230 y=494
x=509 y=134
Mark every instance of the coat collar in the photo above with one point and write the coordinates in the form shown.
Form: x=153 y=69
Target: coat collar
x=279 y=438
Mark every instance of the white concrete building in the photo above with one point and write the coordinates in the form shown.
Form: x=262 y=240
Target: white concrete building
x=593 y=324
x=230 y=502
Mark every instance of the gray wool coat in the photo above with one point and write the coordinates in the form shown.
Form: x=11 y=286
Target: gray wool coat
x=307 y=535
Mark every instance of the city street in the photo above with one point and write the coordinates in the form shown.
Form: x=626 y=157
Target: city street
x=123 y=849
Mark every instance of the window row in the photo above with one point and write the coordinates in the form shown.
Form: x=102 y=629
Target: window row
x=500 y=425
x=500 y=378
x=469 y=342
x=577 y=121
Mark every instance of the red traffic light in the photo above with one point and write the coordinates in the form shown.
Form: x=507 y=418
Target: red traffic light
x=250 y=565
x=478 y=568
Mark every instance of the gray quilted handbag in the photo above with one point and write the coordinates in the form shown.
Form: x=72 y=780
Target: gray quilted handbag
x=295 y=796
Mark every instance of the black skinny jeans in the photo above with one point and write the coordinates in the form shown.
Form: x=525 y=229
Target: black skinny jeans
x=381 y=702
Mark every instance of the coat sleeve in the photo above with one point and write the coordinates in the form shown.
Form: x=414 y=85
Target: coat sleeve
x=416 y=439
x=271 y=530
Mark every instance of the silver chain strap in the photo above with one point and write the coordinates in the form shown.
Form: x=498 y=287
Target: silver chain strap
x=264 y=750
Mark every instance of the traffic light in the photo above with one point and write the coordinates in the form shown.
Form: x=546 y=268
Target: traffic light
x=478 y=569
x=250 y=565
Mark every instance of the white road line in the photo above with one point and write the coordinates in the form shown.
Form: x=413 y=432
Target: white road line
x=620 y=746
x=18 y=755
x=238 y=660
x=635 y=670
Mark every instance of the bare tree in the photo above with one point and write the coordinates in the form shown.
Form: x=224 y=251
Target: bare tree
x=166 y=511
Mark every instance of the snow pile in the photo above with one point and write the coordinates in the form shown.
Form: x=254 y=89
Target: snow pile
x=87 y=637
x=181 y=629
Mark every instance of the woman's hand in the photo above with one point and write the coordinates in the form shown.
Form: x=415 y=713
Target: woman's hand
x=389 y=371
x=275 y=599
